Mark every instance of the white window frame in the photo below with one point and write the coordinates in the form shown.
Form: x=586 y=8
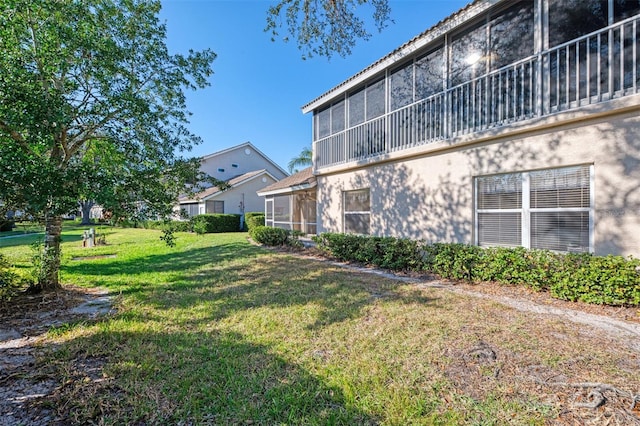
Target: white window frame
x=526 y=210
x=355 y=212
x=268 y=212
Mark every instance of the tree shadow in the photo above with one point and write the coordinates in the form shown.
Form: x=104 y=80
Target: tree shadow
x=179 y=261
x=282 y=281
x=231 y=278
x=183 y=377
x=430 y=196
x=617 y=180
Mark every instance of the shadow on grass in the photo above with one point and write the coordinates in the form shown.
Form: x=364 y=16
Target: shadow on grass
x=235 y=277
x=190 y=378
x=281 y=281
x=180 y=261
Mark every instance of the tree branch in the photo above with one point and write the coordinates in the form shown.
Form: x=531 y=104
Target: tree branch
x=17 y=137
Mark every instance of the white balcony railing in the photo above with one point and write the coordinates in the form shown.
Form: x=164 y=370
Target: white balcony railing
x=596 y=67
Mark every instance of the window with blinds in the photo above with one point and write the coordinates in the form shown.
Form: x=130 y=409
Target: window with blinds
x=544 y=209
x=218 y=207
x=499 y=207
x=191 y=209
x=357 y=211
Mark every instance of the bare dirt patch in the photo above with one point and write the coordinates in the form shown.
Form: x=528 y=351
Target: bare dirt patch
x=24 y=380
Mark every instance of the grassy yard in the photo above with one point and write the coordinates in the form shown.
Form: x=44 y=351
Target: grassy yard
x=217 y=331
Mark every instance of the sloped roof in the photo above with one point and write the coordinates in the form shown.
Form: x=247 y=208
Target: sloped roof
x=247 y=144
x=233 y=182
x=301 y=180
x=452 y=21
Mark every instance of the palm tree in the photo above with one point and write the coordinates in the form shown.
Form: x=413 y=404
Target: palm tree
x=305 y=158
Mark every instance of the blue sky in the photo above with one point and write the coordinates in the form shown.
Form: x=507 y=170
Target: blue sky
x=259 y=86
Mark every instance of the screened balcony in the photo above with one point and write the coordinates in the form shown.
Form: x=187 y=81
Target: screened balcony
x=441 y=95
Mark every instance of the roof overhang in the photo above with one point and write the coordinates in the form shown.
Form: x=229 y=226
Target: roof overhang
x=432 y=34
x=289 y=190
x=235 y=185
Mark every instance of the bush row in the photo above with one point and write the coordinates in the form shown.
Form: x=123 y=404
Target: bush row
x=385 y=252
x=213 y=223
x=173 y=225
x=204 y=223
x=611 y=280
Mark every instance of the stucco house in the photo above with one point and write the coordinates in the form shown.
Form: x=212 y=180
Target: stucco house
x=245 y=169
x=509 y=123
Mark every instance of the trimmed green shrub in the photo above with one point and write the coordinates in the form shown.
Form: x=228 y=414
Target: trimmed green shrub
x=517 y=265
x=341 y=246
x=385 y=252
x=455 y=261
x=181 y=225
x=254 y=221
x=169 y=225
x=214 y=223
x=269 y=236
x=612 y=280
x=249 y=215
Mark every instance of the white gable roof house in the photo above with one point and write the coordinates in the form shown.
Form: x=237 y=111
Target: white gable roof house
x=245 y=169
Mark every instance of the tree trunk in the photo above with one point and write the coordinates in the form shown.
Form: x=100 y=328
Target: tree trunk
x=50 y=261
x=85 y=208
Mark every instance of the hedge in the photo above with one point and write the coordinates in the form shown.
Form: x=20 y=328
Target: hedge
x=270 y=236
x=214 y=223
x=249 y=215
x=385 y=252
x=611 y=280
x=253 y=220
x=173 y=225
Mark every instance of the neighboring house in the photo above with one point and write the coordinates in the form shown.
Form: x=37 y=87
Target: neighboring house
x=291 y=202
x=509 y=123
x=246 y=170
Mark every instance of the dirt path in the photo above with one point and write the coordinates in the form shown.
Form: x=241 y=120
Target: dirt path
x=20 y=333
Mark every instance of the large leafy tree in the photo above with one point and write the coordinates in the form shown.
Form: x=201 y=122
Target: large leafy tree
x=326 y=27
x=92 y=105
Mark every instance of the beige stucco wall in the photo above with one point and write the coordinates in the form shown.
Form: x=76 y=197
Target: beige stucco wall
x=430 y=195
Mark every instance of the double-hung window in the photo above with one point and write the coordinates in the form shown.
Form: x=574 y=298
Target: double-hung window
x=357 y=211
x=544 y=209
x=218 y=207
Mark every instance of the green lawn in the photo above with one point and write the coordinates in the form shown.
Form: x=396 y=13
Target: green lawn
x=217 y=331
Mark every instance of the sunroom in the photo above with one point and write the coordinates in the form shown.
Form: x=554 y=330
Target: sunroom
x=291 y=203
x=493 y=64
